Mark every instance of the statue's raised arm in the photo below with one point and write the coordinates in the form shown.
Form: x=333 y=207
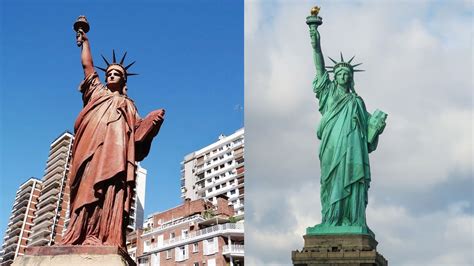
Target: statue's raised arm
x=314 y=21
x=82 y=27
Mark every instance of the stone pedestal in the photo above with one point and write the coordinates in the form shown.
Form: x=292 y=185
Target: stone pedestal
x=329 y=250
x=74 y=256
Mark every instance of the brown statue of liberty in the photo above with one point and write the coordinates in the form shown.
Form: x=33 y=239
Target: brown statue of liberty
x=110 y=138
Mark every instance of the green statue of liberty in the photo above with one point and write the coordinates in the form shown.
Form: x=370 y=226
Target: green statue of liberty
x=348 y=133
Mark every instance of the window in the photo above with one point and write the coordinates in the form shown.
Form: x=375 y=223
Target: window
x=209 y=180
x=209 y=190
x=223 y=185
x=172 y=235
x=208 y=171
x=184 y=233
x=196 y=264
x=231 y=181
x=217 y=177
x=221 y=166
x=232 y=192
x=181 y=253
x=210 y=246
x=168 y=254
x=195 y=247
x=229 y=162
x=218 y=186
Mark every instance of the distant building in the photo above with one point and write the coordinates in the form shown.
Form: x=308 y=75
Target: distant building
x=51 y=211
x=137 y=210
x=196 y=233
x=215 y=170
x=21 y=221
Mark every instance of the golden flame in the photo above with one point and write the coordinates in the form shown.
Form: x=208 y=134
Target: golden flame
x=315 y=11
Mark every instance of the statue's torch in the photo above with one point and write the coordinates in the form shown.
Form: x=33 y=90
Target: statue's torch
x=81 y=23
x=314 y=20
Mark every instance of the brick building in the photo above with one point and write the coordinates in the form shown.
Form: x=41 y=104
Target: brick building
x=196 y=233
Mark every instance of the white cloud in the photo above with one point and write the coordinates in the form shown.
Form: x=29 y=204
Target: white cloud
x=417 y=58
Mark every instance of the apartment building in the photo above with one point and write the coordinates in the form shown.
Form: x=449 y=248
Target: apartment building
x=137 y=209
x=216 y=170
x=195 y=233
x=21 y=220
x=51 y=211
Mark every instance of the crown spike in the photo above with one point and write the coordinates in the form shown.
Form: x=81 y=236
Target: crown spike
x=123 y=58
x=107 y=62
x=103 y=69
x=342 y=58
x=357 y=64
x=358 y=70
x=132 y=74
x=334 y=61
x=113 y=56
x=329 y=66
x=350 y=60
x=130 y=65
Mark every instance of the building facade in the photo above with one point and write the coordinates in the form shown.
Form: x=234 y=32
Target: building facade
x=52 y=209
x=196 y=233
x=216 y=170
x=21 y=220
x=137 y=208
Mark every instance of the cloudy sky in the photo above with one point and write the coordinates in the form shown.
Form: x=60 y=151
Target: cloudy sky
x=418 y=61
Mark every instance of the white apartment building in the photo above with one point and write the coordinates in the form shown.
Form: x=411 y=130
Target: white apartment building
x=21 y=221
x=50 y=216
x=216 y=170
x=137 y=210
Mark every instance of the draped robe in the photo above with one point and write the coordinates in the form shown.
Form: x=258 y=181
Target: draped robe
x=343 y=154
x=110 y=138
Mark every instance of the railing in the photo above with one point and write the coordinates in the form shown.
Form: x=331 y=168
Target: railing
x=175 y=222
x=233 y=249
x=196 y=234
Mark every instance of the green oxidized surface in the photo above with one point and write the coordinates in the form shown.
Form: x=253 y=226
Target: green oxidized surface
x=348 y=133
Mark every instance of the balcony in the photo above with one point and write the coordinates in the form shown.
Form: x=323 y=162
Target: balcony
x=22 y=201
x=55 y=151
x=52 y=199
x=46 y=213
x=42 y=234
x=20 y=211
x=53 y=191
x=233 y=250
x=191 y=219
x=12 y=240
x=16 y=219
x=58 y=164
x=53 y=175
x=38 y=242
x=220 y=229
x=52 y=183
x=23 y=192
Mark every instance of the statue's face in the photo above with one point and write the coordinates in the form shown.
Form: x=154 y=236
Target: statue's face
x=114 y=77
x=343 y=77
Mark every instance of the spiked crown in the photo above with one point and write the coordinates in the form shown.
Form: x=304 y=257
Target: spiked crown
x=114 y=63
x=343 y=64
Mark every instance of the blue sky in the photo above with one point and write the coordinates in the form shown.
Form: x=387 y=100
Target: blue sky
x=189 y=56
